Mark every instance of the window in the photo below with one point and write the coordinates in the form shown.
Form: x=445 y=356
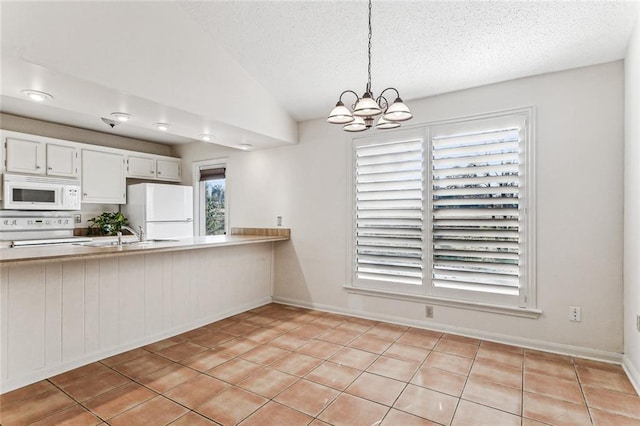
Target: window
x=475 y=244
x=211 y=203
x=477 y=211
x=389 y=206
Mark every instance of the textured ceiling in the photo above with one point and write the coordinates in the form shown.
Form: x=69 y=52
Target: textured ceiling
x=306 y=52
x=245 y=70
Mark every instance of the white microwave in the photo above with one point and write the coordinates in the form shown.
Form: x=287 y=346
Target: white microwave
x=21 y=192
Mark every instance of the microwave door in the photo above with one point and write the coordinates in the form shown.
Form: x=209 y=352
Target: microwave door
x=33 y=198
x=38 y=196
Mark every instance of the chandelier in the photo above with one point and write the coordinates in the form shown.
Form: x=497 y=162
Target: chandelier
x=366 y=108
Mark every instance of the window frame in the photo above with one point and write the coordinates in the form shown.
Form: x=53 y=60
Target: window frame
x=526 y=305
x=199 y=218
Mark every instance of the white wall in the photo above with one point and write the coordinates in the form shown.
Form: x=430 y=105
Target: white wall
x=632 y=207
x=579 y=150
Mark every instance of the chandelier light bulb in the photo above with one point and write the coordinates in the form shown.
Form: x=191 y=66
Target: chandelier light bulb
x=340 y=114
x=398 y=111
x=385 y=124
x=357 y=125
x=367 y=107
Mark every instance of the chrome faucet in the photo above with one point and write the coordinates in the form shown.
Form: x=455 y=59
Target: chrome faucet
x=139 y=235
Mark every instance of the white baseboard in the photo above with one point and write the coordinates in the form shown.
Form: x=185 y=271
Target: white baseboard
x=632 y=372
x=576 y=351
x=45 y=373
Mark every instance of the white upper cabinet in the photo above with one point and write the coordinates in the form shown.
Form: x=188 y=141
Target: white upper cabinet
x=141 y=167
x=103 y=177
x=62 y=160
x=153 y=167
x=40 y=158
x=103 y=170
x=168 y=170
x=25 y=156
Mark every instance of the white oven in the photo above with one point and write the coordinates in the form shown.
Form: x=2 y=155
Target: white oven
x=21 y=192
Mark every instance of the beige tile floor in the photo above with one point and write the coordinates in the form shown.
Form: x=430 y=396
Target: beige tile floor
x=286 y=366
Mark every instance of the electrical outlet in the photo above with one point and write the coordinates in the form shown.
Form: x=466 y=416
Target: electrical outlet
x=77 y=218
x=279 y=220
x=575 y=313
x=428 y=311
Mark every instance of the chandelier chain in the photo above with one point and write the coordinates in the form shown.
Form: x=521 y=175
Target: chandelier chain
x=369 y=67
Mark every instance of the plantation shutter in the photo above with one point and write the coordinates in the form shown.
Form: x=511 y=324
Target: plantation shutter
x=475 y=207
x=389 y=188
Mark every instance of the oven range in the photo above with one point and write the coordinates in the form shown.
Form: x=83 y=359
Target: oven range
x=37 y=228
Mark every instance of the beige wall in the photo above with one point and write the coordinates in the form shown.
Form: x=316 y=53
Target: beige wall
x=75 y=134
x=579 y=149
x=632 y=207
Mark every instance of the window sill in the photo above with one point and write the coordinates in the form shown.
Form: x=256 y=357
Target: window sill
x=461 y=304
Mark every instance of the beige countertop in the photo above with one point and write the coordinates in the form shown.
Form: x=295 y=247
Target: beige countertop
x=61 y=252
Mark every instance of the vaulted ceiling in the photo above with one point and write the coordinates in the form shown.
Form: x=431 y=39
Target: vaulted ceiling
x=248 y=71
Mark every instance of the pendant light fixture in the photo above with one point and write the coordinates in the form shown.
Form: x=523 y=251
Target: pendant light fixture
x=366 y=108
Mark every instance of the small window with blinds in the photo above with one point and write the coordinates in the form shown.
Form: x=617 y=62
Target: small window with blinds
x=389 y=204
x=477 y=210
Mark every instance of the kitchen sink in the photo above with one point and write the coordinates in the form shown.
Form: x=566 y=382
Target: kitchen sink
x=112 y=243
x=99 y=244
x=148 y=242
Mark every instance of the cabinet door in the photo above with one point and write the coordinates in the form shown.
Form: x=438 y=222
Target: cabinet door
x=62 y=160
x=168 y=170
x=24 y=156
x=103 y=177
x=141 y=167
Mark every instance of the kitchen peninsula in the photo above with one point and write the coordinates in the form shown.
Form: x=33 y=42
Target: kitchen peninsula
x=78 y=304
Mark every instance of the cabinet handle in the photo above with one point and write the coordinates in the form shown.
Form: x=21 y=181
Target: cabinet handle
x=151 y=172
x=159 y=173
x=84 y=194
x=37 y=167
x=50 y=168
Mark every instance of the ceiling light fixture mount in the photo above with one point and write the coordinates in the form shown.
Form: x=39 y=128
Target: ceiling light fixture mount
x=162 y=126
x=122 y=117
x=36 y=95
x=205 y=137
x=366 y=108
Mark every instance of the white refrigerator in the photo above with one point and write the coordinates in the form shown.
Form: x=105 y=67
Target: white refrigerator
x=163 y=211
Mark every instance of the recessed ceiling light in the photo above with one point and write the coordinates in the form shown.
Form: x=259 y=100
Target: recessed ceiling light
x=162 y=126
x=122 y=117
x=205 y=137
x=245 y=146
x=37 y=96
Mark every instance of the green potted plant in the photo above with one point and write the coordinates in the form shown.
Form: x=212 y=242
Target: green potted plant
x=108 y=223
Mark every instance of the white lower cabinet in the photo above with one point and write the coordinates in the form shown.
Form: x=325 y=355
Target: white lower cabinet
x=103 y=177
x=60 y=314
